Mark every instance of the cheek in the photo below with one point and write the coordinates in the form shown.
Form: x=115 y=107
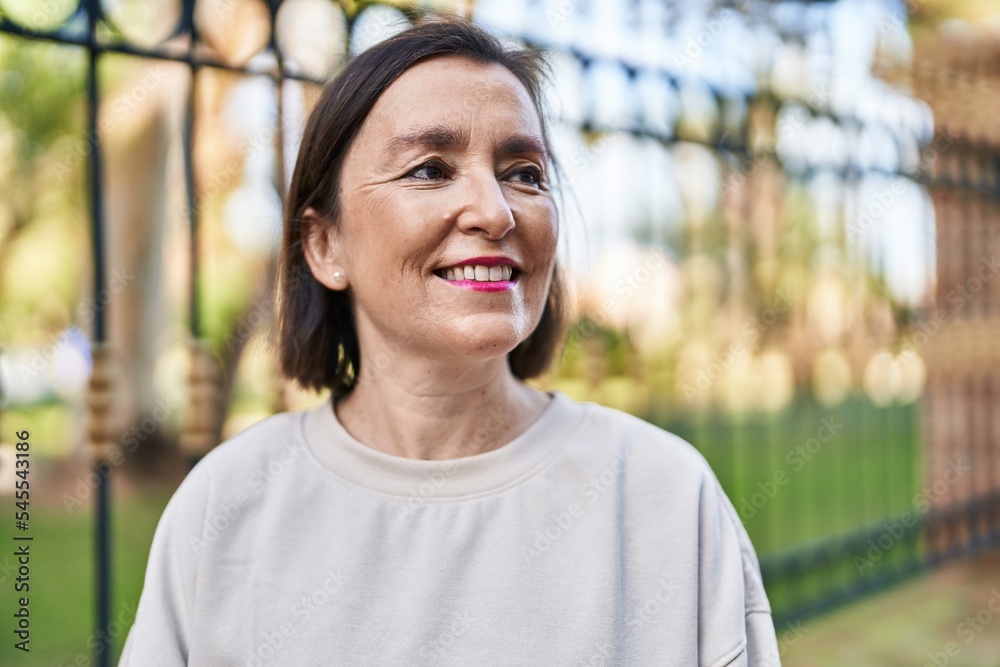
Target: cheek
x=541 y=228
x=397 y=231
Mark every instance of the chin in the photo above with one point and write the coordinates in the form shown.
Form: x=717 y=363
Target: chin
x=487 y=344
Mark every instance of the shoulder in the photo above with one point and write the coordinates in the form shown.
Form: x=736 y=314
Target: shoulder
x=239 y=465
x=661 y=453
x=679 y=493
x=269 y=439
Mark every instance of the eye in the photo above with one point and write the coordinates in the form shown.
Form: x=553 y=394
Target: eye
x=431 y=170
x=530 y=175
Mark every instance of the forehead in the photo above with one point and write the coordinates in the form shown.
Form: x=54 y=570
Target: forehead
x=455 y=89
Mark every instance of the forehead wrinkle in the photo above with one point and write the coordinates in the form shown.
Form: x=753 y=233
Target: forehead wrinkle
x=444 y=137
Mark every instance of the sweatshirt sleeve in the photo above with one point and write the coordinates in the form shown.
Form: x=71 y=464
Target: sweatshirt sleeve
x=161 y=632
x=724 y=579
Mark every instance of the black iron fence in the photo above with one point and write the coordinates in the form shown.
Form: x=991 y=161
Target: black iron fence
x=845 y=485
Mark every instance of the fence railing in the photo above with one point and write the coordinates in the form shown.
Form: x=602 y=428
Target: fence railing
x=840 y=496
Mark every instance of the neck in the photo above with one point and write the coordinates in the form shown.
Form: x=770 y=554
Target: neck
x=421 y=410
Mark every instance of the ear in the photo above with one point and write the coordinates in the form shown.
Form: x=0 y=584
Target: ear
x=322 y=251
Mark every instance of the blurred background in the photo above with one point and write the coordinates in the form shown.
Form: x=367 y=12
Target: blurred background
x=781 y=225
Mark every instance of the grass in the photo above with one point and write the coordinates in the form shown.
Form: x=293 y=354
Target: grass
x=61 y=578
x=924 y=621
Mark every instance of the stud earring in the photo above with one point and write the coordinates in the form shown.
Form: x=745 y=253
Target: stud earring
x=336 y=275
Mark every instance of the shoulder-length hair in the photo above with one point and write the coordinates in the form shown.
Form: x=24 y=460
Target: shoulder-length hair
x=316 y=334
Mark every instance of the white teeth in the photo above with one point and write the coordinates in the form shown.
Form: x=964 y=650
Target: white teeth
x=479 y=273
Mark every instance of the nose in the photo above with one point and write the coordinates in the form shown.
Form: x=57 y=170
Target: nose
x=484 y=206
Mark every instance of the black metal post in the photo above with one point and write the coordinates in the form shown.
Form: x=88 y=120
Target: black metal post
x=102 y=527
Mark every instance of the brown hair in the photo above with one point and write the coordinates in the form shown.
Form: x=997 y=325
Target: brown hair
x=317 y=337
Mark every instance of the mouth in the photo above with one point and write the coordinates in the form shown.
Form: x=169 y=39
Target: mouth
x=479 y=274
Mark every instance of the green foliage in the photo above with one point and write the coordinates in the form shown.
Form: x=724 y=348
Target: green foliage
x=42 y=91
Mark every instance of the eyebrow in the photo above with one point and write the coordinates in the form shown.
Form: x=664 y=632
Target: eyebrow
x=443 y=136
x=520 y=144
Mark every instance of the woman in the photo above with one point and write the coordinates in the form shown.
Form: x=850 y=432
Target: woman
x=437 y=509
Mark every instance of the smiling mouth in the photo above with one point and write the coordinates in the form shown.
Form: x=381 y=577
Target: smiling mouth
x=479 y=274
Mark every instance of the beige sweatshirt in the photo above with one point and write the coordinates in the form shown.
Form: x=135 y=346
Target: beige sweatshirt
x=593 y=538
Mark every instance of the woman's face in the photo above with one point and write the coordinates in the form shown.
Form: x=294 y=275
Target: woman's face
x=449 y=166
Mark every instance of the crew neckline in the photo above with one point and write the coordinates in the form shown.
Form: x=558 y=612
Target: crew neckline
x=441 y=480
